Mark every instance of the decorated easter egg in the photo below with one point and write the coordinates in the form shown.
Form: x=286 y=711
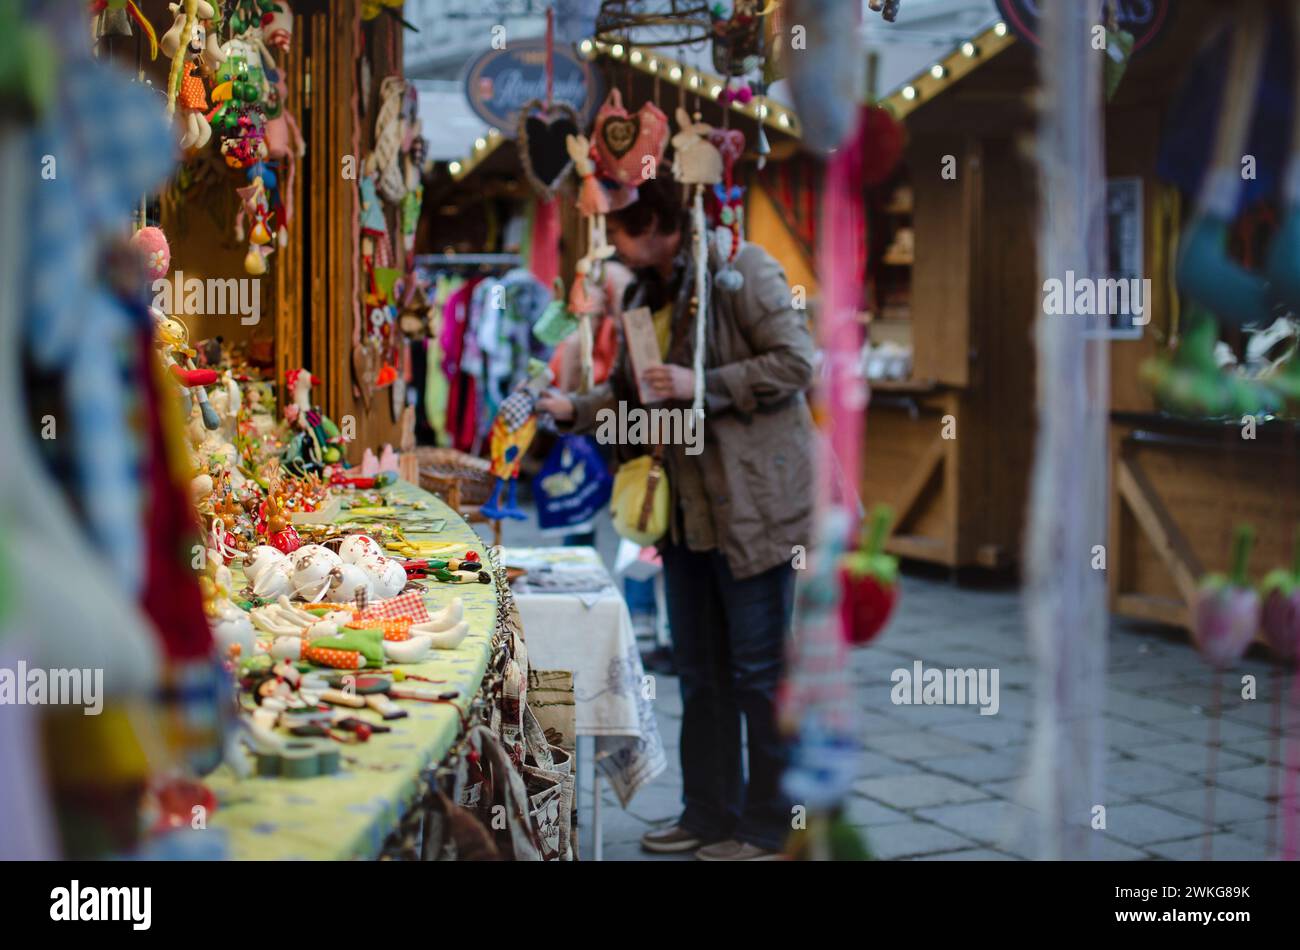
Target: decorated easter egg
x=357 y=547
x=346 y=581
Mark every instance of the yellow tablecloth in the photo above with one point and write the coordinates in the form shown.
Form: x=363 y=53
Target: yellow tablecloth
x=348 y=815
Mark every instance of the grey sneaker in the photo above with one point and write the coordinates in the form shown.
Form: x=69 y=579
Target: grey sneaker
x=671 y=840
x=733 y=850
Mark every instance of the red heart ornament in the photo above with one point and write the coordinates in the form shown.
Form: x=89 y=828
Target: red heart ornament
x=623 y=140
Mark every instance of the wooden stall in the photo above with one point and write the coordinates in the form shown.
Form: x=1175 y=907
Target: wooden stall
x=949 y=447
x=310 y=295
x=1178 y=486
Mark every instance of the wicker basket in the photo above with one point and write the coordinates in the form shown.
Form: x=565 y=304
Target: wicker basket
x=447 y=471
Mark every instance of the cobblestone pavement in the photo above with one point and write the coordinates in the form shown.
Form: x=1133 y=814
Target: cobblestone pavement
x=941 y=782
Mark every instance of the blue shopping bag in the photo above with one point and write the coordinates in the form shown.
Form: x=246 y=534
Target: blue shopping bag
x=573 y=484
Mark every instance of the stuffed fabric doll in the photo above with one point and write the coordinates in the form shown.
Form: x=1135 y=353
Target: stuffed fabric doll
x=512 y=433
x=191 y=44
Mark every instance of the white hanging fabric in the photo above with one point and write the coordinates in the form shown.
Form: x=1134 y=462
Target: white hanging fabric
x=1065 y=596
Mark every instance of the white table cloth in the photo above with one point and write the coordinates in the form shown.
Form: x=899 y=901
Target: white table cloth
x=575 y=619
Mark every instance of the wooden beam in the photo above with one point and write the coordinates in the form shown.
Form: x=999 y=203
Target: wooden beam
x=929 y=463
x=1136 y=490
x=1154 y=609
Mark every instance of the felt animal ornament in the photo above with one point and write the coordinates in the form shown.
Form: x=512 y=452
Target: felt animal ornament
x=316 y=442
x=729 y=235
x=114 y=18
x=868 y=582
x=191 y=43
x=512 y=433
x=629 y=147
x=697 y=163
x=1280 y=613
x=1226 y=614
x=255 y=217
x=248 y=20
x=542 y=138
x=280 y=532
x=277 y=27
x=172 y=340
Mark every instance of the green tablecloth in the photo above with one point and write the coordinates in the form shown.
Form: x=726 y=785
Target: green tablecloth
x=348 y=815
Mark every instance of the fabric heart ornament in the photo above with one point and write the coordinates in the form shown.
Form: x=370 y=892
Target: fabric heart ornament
x=365 y=369
x=623 y=141
x=541 y=141
x=730 y=144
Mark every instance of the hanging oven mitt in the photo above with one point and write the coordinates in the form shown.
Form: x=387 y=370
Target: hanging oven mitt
x=1205 y=272
x=869 y=582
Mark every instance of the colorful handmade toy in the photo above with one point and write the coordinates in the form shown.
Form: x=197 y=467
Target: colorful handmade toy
x=512 y=433
x=1226 y=615
x=729 y=233
x=191 y=43
x=1280 y=615
x=868 y=582
x=316 y=442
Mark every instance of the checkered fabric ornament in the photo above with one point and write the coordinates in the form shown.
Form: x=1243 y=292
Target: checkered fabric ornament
x=516 y=409
x=404 y=605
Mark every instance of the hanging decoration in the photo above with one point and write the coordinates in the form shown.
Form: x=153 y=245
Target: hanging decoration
x=729 y=234
x=698 y=164
x=512 y=433
x=629 y=146
x=114 y=18
x=543 y=152
x=191 y=43
x=654 y=22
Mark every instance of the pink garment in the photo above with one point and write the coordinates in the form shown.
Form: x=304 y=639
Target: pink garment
x=462 y=395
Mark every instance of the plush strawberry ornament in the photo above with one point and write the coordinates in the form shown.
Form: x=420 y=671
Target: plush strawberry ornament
x=1280 y=616
x=1227 y=608
x=869 y=582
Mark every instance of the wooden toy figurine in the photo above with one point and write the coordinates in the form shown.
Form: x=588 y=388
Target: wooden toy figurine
x=512 y=433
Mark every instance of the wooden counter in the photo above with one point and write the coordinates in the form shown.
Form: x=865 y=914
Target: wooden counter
x=1178 y=489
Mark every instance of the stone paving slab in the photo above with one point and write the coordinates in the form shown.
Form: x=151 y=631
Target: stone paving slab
x=918 y=791
x=1142 y=823
x=914 y=839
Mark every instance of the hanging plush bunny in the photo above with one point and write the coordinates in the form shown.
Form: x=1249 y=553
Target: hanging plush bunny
x=191 y=44
x=586 y=300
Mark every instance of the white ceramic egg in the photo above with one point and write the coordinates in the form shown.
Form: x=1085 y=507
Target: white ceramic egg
x=386 y=574
x=344 y=583
x=311 y=578
x=261 y=558
x=273 y=582
x=315 y=552
x=357 y=547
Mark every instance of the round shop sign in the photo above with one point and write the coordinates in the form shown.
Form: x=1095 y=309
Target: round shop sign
x=1142 y=18
x=500 y=82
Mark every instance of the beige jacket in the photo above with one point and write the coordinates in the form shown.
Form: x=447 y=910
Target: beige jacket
x=749 y=493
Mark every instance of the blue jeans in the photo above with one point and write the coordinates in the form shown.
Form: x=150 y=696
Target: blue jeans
x=729 y=648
